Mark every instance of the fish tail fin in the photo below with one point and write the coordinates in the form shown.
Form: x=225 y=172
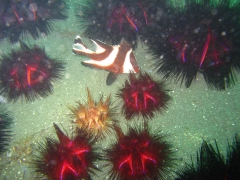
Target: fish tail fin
x=78 y=40
x=78 y=46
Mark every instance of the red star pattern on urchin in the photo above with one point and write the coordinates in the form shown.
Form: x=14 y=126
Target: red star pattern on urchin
x=142 y=96
x=68 y=158
x=122 y=14
x=138 y=155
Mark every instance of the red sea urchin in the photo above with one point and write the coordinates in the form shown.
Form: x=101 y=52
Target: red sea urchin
x=67 y=158
x=28 y=73
x=143 y=96
x=111 y=21
x=203 y=38
x=5 y=128
x=17 y=17
x=139 y=155
x=211 y=163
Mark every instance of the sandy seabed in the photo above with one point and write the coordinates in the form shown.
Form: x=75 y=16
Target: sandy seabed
x=194 y=114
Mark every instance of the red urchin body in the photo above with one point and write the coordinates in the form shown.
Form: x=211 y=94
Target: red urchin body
x=66 y=158
x=112 y=21
x=139 y=155
x=19 y=17
x=6 y=120
x=143 y=96
x=205 y=42
x=28 y=73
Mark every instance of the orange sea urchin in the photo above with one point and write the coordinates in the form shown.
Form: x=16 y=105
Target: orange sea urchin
x=96 y=117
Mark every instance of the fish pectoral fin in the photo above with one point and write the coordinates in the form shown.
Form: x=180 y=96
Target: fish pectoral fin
x=111 y=78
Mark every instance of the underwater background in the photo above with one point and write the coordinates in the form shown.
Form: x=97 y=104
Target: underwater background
x=194 y=114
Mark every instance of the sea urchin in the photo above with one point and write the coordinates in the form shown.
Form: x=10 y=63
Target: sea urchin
x=203 y=38
x=211 y=163
x=112 y=21
x=19 y=17
x=139 y=155
x=143 y=96
x=96 y=117
x=28 y=73
x=5 y=124
x=67 y=158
